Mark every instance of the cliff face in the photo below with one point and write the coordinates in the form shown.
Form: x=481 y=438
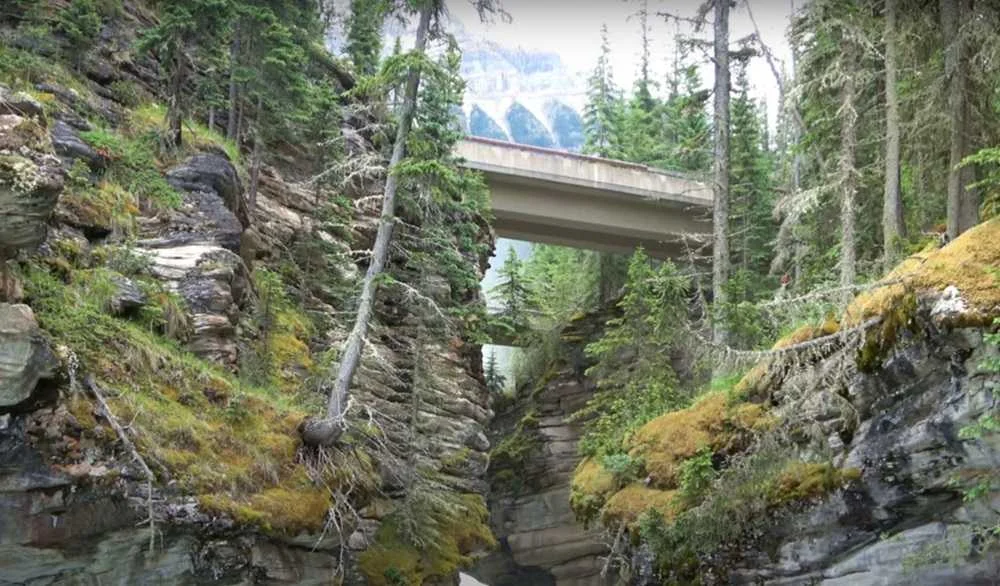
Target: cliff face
x=532 y=464
x=857 y=452
x=152 y=294
x=904 y=520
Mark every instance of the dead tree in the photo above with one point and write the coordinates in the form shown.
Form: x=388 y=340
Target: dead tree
x=326 y=431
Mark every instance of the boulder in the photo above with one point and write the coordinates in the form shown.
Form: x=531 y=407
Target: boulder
x=68 y=145
x=19 y=103
x=29 y=190
x=25 y=357
x=211 y=173
x=127 y=297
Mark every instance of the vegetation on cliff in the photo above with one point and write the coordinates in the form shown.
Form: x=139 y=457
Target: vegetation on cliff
x=205 y=303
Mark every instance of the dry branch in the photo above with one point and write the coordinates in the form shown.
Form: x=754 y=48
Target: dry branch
x=106 y=412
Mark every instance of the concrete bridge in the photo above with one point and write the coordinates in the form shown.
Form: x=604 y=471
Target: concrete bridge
x=555 y=197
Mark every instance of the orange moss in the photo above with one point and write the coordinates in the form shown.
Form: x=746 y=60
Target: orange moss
x=592 y=478
x=712 y=422
x=629 y=503
x=964 y=263
x=589 y=488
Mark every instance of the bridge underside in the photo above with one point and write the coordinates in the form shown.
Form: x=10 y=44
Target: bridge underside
x=594 y=219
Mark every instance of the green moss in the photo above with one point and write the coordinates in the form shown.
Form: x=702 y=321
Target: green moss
x=107 y=205
x=805 y=480
x=392 y=560
x=509 y=458
x=231 y=445
x=280 y=354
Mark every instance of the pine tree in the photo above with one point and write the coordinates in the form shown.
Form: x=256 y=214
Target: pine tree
x=641 y=127
x=495 y=380
x=184 y=27
x=364 y=34
x=751 y=196
x=893 y=228
x=963 y=202
x=80 y=22
x=513 y=290
x=720 y=178
x=685 y=129
x=602 y=124
x=326 y=431
x=634 y=383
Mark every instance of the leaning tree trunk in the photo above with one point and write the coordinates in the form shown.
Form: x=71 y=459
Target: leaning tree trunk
x=892 y=203
x=328 y=430
x=848 y=179
x=720 y=207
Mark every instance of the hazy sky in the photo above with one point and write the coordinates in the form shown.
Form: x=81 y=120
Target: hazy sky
x=572 y=29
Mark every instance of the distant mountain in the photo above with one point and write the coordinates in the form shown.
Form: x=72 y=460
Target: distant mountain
x=528 y=97
x=512 y=93
x=480 y=124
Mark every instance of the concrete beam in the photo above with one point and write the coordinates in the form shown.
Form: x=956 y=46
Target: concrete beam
x=549 y=196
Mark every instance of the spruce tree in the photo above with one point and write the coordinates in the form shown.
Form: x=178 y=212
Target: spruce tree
x=364 y=34
x=751 y=190
x=184 y=28
x=602 y=123
x=686 y=130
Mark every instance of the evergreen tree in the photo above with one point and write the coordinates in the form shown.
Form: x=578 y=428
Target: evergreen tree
x=513 y=291
x=184 y=27
x=495 y=380
x=364 y=34
x=602 y=116
x=634 y=383
x=751 y=190
x=686 y=130
x=641 y=125
x=80 y=22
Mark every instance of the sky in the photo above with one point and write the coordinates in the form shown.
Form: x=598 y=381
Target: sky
x=572 y=30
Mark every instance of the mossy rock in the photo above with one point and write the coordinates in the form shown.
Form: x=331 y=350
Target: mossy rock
x=716 y=422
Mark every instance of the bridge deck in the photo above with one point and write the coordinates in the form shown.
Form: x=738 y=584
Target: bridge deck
x=551 y=196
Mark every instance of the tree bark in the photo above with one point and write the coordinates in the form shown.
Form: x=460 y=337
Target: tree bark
x=959 y=217
x=848 y=177
x=720 y=207
x=326 y=431
x=893 y=227
x=234 y=88
x=255 y=157
x=175 y=110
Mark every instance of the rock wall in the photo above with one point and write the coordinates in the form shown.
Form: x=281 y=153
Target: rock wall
x=541 y=541
x=74 y=504
x=905 y=520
